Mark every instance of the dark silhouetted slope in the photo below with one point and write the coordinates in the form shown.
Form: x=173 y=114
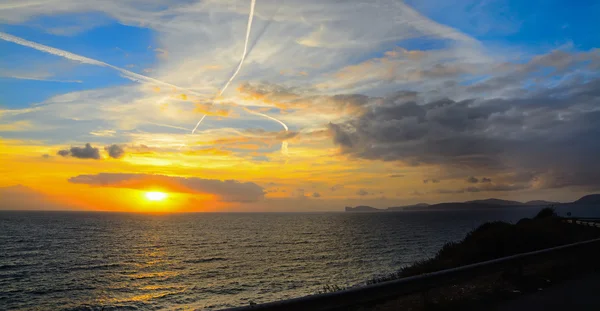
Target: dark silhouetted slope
x=589 y=199
x=540 y=203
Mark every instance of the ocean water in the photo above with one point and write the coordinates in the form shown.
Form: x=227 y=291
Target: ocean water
x=120 y=261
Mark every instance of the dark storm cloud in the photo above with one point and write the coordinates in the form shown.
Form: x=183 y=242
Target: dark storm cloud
x=547 y=133
x=115 y=151
x=87 y=152
x=226 y=190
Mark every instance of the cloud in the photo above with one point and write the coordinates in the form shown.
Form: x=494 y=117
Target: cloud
x=316 y=195
x=295 y=98
x=115 y=151
x=472 y=180
x=336 y=187
x=225 y=190
x=396 y=175
x=433 y=181
x=514 y=134
x=475 y=180
x=104 y=133
x=362 y=192
x=300 y=193
x=87 y=152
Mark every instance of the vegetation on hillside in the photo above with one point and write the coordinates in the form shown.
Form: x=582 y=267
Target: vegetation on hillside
x=499 y=239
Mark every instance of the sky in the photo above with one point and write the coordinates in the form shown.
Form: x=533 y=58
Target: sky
x=337 y=103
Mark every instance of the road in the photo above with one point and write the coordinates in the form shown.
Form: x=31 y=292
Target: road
x=573 y=295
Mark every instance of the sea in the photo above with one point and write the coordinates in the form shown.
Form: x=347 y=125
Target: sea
x=209 y=261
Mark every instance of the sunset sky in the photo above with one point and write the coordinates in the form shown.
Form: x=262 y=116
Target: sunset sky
x=387 y=103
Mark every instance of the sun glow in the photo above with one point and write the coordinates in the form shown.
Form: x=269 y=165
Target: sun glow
x=155 y=196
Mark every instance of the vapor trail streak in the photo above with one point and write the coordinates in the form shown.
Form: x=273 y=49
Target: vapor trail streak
x=239 y=67
x=266 y=116
x=85 y=60
x=198 y=124
x=170 y=126
x=248 y=28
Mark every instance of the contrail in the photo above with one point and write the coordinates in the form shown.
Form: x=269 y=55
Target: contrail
x=85 y=60
x=42 y=79
x=198 y=124
x=248 y=28
x=266 y=116
x=284 y=144
x=235 y=73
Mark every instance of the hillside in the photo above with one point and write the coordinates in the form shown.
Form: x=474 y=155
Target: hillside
x=589 y=199
x=540 y=203
x=498 y=239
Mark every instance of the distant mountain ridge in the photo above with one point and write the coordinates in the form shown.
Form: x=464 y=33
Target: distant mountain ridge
x=591 y=199
x=496 y=202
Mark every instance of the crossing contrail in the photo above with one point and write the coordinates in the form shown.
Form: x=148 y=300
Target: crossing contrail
x=141 y=78
x=248 y=28
x=235 y=73
x=86 y=60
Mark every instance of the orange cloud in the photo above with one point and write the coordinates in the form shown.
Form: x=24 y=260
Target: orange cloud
x=209 y=110
x=227 y=190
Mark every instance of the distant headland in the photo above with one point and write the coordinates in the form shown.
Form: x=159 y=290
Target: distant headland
x=591 y=199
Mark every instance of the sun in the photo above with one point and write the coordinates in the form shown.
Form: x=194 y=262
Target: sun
x=155 y=196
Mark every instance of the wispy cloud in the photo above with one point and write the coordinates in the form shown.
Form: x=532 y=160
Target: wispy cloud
x=82 y=59
x=40 y=79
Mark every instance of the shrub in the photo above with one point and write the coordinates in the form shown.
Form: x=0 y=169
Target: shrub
x=546 y=212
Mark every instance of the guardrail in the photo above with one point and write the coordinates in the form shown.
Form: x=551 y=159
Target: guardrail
x=590 y=222
x=353 y=297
